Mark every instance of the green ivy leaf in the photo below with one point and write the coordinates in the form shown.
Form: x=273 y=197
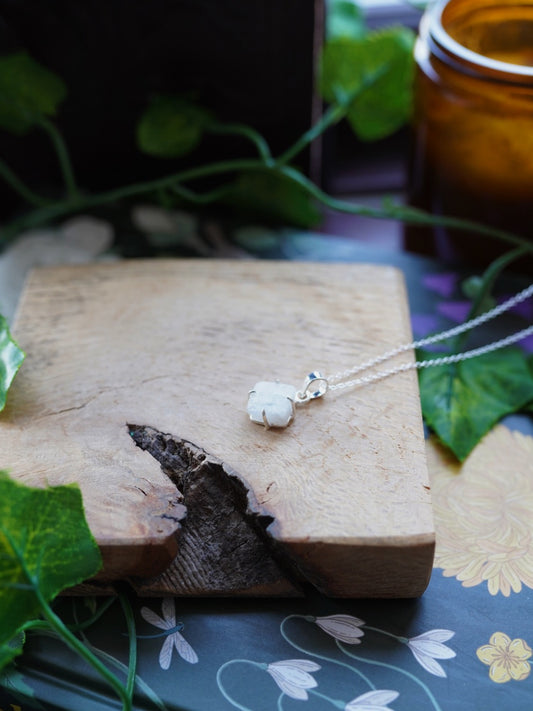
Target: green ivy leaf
x=45 y=546
x=344 y=19
x=171 y=127
x=11 y=358
x=11 y=649
x=272 y=196
x=28 y=92
x=462 y=402
x=383 y=61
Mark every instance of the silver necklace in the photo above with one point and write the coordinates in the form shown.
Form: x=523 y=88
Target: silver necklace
x=272 y=404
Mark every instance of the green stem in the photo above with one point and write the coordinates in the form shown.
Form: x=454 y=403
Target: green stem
x=63 y=157
x=77 y=646
x=112 y=661
x=488 y=280
x=410 y=215
x=94 y=618
x=34 y=625
x=240 y=129
x=397 y=212
x=385 y=665
x=21 y=188
x=132 y=657
x=60 y=209
x=203 y=171
x=42 y=625
x=201 y=198
x=66 y=635
x=332 y=116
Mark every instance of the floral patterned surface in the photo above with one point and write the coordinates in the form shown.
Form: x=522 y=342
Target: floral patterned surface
x=464 y=646
x=484 y=513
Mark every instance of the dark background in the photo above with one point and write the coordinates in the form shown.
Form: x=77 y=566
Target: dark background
x=249 y=61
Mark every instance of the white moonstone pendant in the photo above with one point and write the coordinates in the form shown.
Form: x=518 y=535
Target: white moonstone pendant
x=271 y=404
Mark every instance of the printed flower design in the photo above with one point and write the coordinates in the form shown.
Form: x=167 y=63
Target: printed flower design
x=455 y=310
x=377 y=700
x=443 y=284
x=293 y=677
x=429 y=647
x=174 y=638
x=345 y=628
x=506 y=658
x=484 y=512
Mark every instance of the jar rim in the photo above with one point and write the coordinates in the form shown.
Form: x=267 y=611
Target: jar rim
x=477 y=62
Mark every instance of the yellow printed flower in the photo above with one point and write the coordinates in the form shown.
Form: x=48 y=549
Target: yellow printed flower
x=484 y=512
x=507 y=658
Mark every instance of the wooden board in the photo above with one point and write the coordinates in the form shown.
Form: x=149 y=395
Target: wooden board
x=135 y=362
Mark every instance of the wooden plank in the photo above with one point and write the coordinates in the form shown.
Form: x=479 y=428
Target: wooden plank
x=162 y=354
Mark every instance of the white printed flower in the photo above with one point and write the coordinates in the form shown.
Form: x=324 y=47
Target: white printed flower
x=345 y=628
x=293 y=677
x=174 y=638
x=376 y=700
x=428 y=647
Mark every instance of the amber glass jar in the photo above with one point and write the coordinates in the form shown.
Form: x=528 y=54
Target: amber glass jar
x=472 y=147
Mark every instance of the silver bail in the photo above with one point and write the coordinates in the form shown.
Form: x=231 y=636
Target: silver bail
x=315 y=385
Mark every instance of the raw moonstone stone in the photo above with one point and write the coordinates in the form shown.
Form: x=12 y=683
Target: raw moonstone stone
x=271 y=404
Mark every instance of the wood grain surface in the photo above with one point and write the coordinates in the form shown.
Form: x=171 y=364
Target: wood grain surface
x=121 y=354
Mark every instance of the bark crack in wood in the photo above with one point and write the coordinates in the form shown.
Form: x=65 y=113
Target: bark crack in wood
x=224 y=548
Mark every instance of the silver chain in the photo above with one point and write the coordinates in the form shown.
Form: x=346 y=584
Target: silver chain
x=272 y=403
x=339 y=380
